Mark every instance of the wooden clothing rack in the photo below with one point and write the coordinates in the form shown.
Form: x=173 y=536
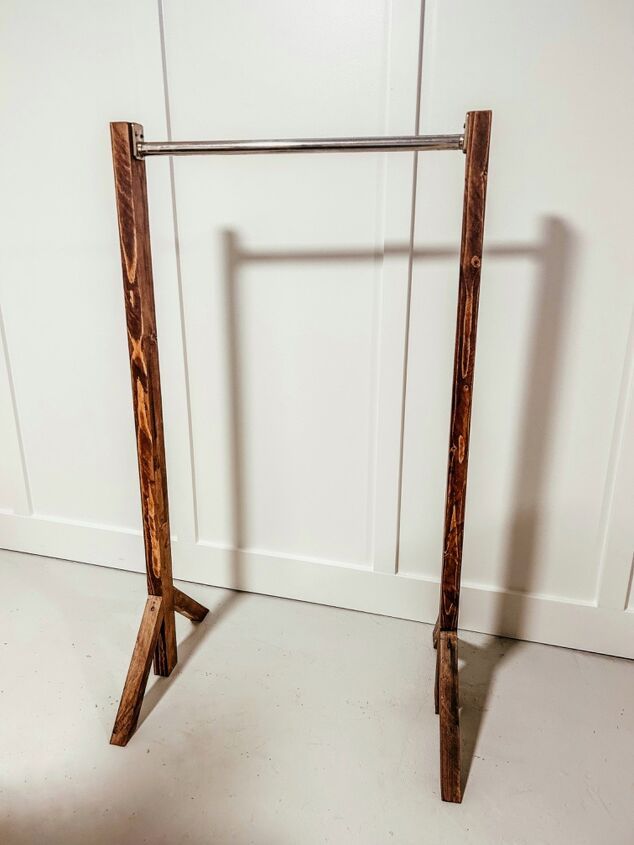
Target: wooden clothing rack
x=156 y=639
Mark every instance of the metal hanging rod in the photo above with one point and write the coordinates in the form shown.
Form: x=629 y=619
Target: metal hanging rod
x=398 y=143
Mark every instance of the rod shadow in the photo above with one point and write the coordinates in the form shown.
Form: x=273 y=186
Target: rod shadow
x=552 y=255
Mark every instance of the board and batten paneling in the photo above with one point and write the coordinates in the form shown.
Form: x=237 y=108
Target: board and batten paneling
x=306 y=305
x=555 y=309
x=69 y=69
x=281 y=272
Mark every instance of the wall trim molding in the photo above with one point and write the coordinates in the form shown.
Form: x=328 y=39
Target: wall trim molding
x=554 y=621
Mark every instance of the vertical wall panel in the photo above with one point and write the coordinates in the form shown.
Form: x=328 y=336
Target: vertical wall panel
x=294 y=294
x=281 y=270
x=617 y=552
x=555 y=302
x=14 y=492
x=68 y=70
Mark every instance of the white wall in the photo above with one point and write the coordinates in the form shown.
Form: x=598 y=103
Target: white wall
x=291 y=316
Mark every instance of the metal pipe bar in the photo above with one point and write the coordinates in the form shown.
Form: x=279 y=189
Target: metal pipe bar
x=398 y=143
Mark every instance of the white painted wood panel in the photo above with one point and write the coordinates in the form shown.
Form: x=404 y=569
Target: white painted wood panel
x=296 y=297
x=556 y=291
x=616 y=566
x=14 y=492
x=281 y=270
x=69 y=70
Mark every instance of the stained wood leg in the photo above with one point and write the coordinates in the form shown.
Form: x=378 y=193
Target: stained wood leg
x=437 y=681
x=136 y=680
x=450 y=783
x=477 y=137
x=188 y=606
x=165 y=652
x=138 y=286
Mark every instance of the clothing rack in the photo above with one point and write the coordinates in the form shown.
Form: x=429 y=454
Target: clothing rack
x=156 y=639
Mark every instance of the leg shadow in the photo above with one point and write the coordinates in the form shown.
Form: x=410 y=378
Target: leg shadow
x=531 y=471
x=194 y=640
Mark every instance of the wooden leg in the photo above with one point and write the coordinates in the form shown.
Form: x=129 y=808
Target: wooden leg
x=188 y=607
x=435 y=636
x=159 y=629
x=138 y=286
x=136 y=680
x=477 y=137
x=436 y=682
x=165 y=652
x=450 y=782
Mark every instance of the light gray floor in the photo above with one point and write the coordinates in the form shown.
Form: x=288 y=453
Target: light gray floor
x=290 y=724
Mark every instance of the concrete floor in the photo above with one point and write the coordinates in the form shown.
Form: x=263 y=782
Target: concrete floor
x=291 y=724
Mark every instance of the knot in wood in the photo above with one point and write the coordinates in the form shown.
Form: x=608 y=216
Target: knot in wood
x=475 y=262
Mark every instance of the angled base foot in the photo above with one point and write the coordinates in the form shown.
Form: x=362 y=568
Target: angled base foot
x=448 y=709
x=136 y=680
x=156 y=639
x=189 y=607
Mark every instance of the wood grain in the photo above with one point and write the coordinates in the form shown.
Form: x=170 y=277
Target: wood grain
x=189 y=607
x=477 y=134
x=136 y=264
x=449 y=712
x=157 y=634
x=136 y=680
x=446 y=699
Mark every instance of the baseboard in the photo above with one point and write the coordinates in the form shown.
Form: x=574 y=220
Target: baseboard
x=485 y=609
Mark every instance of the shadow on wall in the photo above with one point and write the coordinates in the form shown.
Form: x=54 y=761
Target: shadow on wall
x=553 y=256
x=553 y=283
